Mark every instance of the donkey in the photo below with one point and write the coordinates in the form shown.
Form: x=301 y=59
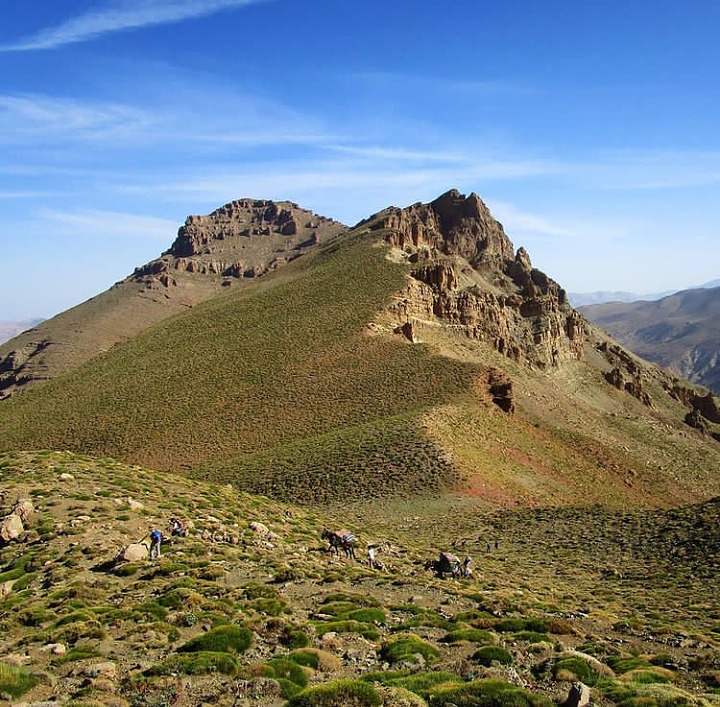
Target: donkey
x=447 y=563
x=338 y=539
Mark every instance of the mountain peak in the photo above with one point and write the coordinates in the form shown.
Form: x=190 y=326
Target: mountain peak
x=452 y=224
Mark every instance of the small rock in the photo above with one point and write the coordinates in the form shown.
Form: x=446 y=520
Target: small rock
x=107 y=671
x=66 y=477
x=24 y=508
x=579 y=696
x=134 y=505
x=54 y=648
x=11 y=528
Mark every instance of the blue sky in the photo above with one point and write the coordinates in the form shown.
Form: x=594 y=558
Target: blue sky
x=590 y=129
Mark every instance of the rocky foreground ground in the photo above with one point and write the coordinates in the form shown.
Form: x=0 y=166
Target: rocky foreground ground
x=251 y=609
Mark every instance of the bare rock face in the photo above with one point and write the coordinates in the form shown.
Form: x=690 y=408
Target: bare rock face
x=242 y=239
x=451 y=225
x=468 y=277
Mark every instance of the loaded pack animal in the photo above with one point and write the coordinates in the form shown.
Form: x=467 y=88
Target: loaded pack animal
x=447 y=563
x=340 y=539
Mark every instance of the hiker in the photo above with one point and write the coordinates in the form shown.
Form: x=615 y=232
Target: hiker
x=465 y=570
x=177 y=527
x=374 y=563
x=156 y=538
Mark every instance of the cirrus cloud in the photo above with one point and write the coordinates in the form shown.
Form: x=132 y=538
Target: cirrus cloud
x=122 y=15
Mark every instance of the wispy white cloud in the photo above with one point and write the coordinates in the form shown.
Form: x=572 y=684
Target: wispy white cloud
x=97 y=223
x=122 y=15
x=53 y=118
x=522 y=222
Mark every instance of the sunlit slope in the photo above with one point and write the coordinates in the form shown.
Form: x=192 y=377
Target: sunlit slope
x=279 y=362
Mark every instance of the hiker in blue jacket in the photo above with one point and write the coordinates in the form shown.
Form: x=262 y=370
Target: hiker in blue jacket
x=156 y=538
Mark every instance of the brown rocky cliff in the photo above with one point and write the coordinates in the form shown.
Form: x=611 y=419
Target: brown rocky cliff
x=242 y=239
x=467 y=277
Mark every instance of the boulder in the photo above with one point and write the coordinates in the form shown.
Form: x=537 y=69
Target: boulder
x=11 y=528
x=135 y=552
x=579 y=696
x=259 y=528
x=25 y=509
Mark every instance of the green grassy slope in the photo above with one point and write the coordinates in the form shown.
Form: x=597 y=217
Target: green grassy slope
x=241 y=613
x=277 y=363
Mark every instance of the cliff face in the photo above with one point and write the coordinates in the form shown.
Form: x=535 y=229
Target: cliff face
x=242 y=239
x=468 y=278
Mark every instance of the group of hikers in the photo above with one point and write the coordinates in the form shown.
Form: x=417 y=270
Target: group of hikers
x=446 y=564
x=176 y=528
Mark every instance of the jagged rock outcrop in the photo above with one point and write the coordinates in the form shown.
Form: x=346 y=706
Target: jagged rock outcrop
x=468 y=278
x=500 y=388
x=242 y=239
x=626 y=373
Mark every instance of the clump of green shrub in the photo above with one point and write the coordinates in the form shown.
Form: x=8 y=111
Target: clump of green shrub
x=15 y=681
x=367 y=615
x=488 y=693
x=515 y=625
x=127 y=569
x=487 y=655
x=629 y=694
x=270 y=606
x=348 y=693
x=419 y=683
x=406 y=647
x=229 y=638
x=622 y=664
x=472 y=635
x=196 y=663
x=316 y=659
x=294 y=638
x=574 y=668
x=289 y=674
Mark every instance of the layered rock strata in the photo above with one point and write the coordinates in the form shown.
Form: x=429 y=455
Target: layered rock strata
x=468 y=278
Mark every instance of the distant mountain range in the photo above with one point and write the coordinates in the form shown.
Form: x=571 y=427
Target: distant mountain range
x=680 y=332
x=580 y=299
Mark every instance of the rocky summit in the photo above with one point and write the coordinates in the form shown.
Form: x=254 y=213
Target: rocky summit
x=466 y=274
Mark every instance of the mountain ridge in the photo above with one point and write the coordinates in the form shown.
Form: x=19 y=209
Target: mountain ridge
x=416 y=353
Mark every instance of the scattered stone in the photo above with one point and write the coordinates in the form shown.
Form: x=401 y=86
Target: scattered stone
x=54 y=648
x=66 y=477
x=579 y=696
x=107 y=671
x=24 y=508
x=134 y=505
x=11 y=528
